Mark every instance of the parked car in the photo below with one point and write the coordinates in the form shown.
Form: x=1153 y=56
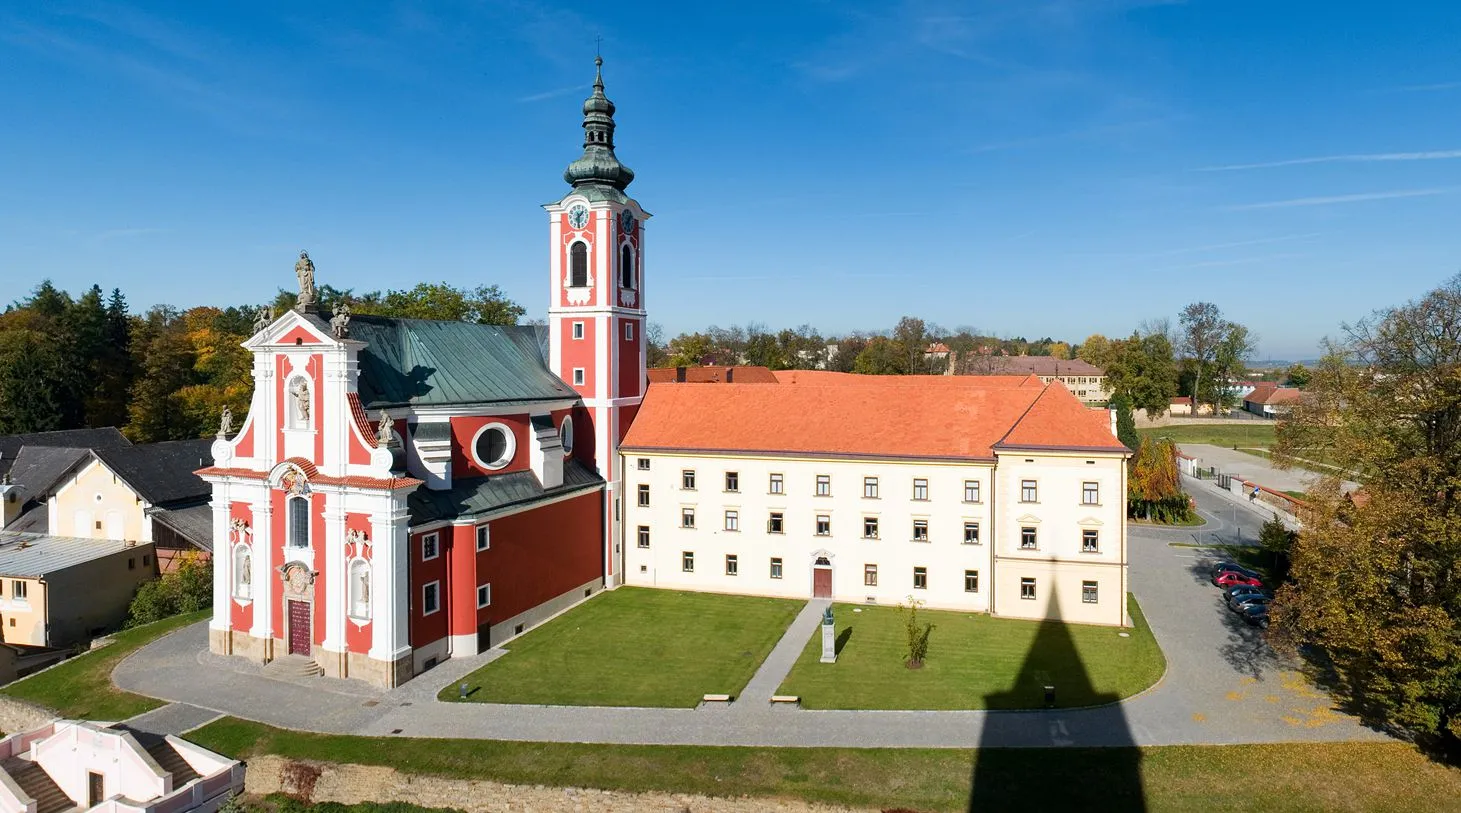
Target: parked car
x=1238 y=603
x=1242 y=589
x=1255 y=614
x=1229 y=578
x=1234 y=567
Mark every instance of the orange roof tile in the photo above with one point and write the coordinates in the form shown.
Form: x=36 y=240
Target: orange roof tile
x=830 y=377
x=1057 y=420
x=712 y=375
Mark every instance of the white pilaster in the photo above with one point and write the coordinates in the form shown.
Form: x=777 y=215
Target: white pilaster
x=264 y=577
x=222 y=560
x=390 y=597
x=334 y=574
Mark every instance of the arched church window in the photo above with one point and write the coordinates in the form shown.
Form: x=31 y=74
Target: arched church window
x=298 y=522
x=626 y=266
x=578 y=265
x=243 y=575
x=360 y=588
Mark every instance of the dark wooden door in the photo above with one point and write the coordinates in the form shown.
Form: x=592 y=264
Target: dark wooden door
x=95 y=787
x=299 y=628
x=821 y=582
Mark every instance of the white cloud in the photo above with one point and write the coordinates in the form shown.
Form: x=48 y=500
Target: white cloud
x=1432 y=155
x=1331 y=199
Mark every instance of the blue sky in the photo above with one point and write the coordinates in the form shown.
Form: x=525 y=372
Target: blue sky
x=1032 y=167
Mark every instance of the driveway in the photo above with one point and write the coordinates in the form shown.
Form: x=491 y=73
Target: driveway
x=1254 y=468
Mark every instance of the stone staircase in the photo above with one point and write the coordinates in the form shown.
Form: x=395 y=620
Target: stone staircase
x=293 y=666
x=38 y=785
x=170 y=760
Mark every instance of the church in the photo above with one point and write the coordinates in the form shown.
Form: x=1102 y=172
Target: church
x=403 y=491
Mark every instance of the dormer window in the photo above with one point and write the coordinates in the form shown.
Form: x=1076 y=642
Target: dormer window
x=494 y=446
x=578 y=265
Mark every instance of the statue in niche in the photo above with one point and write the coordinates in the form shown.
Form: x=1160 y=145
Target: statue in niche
x=340 y=323
x=305 y=271
x=300 y=390
x=365 y=586
x=383 y=433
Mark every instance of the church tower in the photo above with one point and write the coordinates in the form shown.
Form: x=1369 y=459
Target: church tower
x=596 y=312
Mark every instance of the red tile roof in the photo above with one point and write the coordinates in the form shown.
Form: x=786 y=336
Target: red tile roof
x=712 y=375
x=1273 y=394
x=839 y=414
x=1039 y=365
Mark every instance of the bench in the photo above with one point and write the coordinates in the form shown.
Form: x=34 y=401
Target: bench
x=788 y=699
x=716 y=698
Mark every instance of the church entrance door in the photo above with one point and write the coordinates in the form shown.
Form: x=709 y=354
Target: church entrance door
x=299 y=618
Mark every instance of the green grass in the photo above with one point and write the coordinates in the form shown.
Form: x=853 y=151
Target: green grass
x=975 y=662
x=1250 y=434
x=81 y=688
x=636 y=647
x=1286 y=777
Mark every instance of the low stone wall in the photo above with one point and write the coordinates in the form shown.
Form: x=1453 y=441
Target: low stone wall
x=17 y=716
x=351 y=784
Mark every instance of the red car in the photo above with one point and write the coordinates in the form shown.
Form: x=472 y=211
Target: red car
x=1232 y=577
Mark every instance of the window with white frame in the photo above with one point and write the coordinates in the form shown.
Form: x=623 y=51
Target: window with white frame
x=687 y=517
x=971 y=581
x=732 y=520
x=971 y=491
x=1027 y=589
x=775 y=524
x=732 y=481
x=776 y=567
x=578 y=377
x=824 y=485
x=18 y=590
x=732 y=565
x=578 y=330
x=687 y=561
x=628 y=331
x=1090 y=493
x=494 y=446
x=824 y=525
x=1089 y=593
x=778 y=485
x=870 y=575
x=360 y=589
x=870 y=488
x=920 y=489
x=484 y=595
x=1090 y=541
x=430 y=598
x=920 y=578
x=484 y=537
x=920 y=530
x=243 y=573
x=687 y=479
x=1029 y=491
x=644 y=464
x=869 y=527
x=299 y=522
x=971 y=533
x=644 y=536
x=1028 y=539
x=430 y=547
x=644 y=495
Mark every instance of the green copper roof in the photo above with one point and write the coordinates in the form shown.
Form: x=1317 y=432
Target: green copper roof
x=422 y=362
x=598 y=165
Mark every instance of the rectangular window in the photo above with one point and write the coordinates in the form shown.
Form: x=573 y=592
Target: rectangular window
x=732 y=481
x=1090 y=541
x=687 y=517
x=131 y=562
x=18 y=591
x=824 y=485
x=971 y=491
x=687 y=479
x=870 y=488
x=778 y=486
x=869 y=527
x=644 y=536
x=920 y=488
x=971 y=533
x=430 y=598
x=484 y=537
x=774 y=525
x=824 y=525
x=920 y=530
x=1090 y=493
x=298 y=522
x=628 y=331
x=687 y=561
x=1029 y=491
x=732 y=565
x=643 y=495
x=1028 y=540
x=870 y=575
x=644 y=464
x=484 y=595
x=1089 y=593
x=732 y=520
x=430 y=547
x=775 y=567
x=971 y=581
x=1027 y=589
x=920 y=578
x=578 y=330
x=578 y=376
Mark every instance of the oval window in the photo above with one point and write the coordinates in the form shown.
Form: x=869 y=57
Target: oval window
x=565 y=435
x=494 y=445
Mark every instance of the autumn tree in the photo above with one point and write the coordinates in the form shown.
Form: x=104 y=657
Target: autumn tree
x=1154 y=484
x=1297 y=375
x=1096 y=351
x=1377 y=582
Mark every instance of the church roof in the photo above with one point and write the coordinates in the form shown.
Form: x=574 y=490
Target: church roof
x=598 y=166
x=422 y=362
x=477 y=496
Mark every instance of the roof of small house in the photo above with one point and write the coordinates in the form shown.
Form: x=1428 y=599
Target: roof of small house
x=162 y=472
x=32 y=555
x=1039 y=365
x=713 y=375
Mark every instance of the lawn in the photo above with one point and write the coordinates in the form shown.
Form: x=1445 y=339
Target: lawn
x=975 y=662
x=1249 y=434
x=1286 y=777
x=81 y=688
x=636 y=646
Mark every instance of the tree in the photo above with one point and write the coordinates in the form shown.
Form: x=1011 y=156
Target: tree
x=762 y=350
x=167 y=357
x=881 y=356
x=1277 y=541
x=910 y=337
x=1216 y=349
x=1297 y=375
x=1059 y=350
x=484 y=305
x=654 y=346
x=1202 y=330
x=1143 y=370
x=917 y=633
x=1154 y=484
x=1125 y=423
x=848 y=351
x=1096 y=351
x=1237 y=344
x=1377 y=583
x=690 y=350
x=185 y=590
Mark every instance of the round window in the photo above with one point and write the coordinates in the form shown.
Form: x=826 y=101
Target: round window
x=565 y=435
x=494 y=446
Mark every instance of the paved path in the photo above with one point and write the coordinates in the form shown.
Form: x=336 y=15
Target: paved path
x=1255 y=468
x=174 y=718
x=783 y=657
x=1223 y=685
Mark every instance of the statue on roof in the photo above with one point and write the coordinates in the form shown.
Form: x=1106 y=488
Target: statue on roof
x=225 y=422
x=340 y=322
x=384 y=433
x=305 y=271
x=263 y=317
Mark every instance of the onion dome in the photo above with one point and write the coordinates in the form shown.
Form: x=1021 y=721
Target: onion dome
x=598 y=165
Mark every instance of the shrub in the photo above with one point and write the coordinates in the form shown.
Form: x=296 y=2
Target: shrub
x=185 y=590
x=917 y=633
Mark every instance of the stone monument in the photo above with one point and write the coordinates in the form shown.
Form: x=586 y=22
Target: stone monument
x=829 y=637
x=304 y=271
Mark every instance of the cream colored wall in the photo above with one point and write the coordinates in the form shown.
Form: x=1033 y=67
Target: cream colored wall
x=23 y=622
x=94 y=495
x=1059 y=564
x=945 y=556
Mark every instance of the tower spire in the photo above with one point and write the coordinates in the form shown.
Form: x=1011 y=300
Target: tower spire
x=598 y=165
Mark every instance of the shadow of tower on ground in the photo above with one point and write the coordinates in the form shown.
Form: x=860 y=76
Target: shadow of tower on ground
x=1048 y=773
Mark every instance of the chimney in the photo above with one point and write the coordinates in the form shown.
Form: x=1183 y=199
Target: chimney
x=730 y=375
x=679 y=375
x=546 y=454
x=1113 y=424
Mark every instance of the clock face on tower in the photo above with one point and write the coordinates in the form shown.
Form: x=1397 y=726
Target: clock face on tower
x=626 y=222
x=578 y=217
